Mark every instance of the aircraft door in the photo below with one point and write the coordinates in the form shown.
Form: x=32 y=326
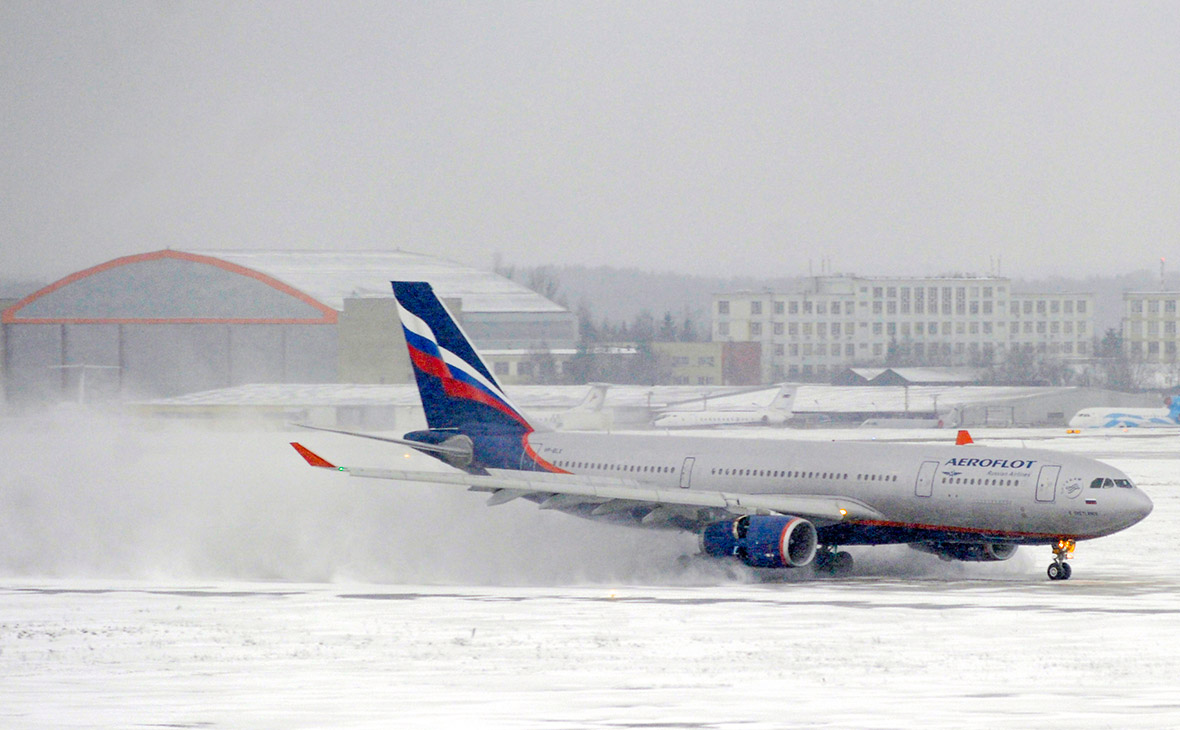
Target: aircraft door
x=924 y=487
x=686 y=472
x=1047 y=483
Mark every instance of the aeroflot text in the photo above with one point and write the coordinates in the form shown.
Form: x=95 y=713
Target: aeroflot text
x=995 y=463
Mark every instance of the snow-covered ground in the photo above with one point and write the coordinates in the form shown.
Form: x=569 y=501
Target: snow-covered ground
x=193 y=578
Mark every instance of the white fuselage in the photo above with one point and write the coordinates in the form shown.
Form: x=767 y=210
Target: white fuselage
x=1023 y=495
x=1124 y=418
x=712 y=419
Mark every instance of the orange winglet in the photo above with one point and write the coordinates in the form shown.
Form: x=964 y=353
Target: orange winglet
x=311 y=457
x=962 y=439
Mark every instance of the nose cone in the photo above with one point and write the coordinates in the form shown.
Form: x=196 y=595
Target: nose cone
x=1140 y=506
x=1130 y=508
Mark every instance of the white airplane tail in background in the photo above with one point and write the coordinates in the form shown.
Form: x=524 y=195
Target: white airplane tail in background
x=785 y=400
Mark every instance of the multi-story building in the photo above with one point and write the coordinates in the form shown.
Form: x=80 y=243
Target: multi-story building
x=1150 y=322
x=1057 y=325
x=839 y=321
x=691 y=363
x=710 y=363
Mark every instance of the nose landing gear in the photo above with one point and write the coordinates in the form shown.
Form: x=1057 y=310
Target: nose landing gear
x=1059 y=569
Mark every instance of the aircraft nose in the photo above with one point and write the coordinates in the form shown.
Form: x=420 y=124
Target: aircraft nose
x=1137 y=506
x=1142 y=504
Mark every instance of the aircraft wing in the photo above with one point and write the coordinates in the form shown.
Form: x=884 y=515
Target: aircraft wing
x=573 y=488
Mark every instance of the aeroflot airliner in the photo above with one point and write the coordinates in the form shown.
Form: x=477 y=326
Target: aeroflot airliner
x=767 y=503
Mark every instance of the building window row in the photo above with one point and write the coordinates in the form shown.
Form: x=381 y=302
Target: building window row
x=1044 y=307
x=1153 y=306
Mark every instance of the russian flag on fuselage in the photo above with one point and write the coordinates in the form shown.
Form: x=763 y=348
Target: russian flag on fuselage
x=456 y=386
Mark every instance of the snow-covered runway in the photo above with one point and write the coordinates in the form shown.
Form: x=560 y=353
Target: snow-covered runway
x=860 y=653
x=180 y=580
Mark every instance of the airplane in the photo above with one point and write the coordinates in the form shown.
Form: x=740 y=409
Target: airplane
x=1129 y=417
x=766 y=503
x=589 y=415
x=775 y=414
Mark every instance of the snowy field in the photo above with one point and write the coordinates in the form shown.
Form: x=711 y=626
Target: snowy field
x=174 y=577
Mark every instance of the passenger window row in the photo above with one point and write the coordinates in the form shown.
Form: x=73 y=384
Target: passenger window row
x=727 y=472
x=722 y=471
x=786 y=474
x=630 y=468
x=980 y=482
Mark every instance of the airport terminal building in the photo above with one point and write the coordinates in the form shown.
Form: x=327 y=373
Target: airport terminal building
x=170 y=322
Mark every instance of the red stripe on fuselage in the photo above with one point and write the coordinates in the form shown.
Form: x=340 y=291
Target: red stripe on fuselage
x=528 y=449
x=966 y=530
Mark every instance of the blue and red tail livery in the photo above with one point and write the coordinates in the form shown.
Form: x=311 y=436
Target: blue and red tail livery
x=458 y=390
x=459 y=393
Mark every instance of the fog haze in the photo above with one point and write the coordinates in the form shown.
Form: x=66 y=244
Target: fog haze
x=722 y=139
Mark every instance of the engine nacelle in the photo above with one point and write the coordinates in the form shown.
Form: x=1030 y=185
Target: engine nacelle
x=972 y=552
x=762 y=541
x=718 y=540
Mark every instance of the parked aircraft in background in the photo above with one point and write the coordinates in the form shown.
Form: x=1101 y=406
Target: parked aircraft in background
x=769 y=503
x=775 y=414
x=589 y=415
x=1106 y=417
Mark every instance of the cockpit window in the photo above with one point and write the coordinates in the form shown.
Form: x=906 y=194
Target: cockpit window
x=1096 y=484
x=1124 y=483
x=1108 y=483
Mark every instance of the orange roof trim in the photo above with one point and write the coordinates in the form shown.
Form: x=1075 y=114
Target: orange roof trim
x=12 y=316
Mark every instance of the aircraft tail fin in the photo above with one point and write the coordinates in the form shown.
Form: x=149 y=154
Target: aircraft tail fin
x=457 y=388
x=595 y=398
x=785 y=399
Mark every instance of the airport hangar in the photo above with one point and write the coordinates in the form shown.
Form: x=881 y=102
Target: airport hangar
x=169 y=322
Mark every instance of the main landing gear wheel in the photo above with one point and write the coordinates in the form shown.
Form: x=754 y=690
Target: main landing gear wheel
x=833 y=561
x=1059 y=569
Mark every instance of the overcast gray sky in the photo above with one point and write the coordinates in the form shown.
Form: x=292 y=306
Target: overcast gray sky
x=731 y=138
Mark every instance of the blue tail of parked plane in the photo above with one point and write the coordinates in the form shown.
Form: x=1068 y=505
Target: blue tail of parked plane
x=459 y=393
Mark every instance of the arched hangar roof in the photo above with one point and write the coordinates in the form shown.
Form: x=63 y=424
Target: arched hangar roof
x=333 y=277
x=243 y=287
x=168 y=287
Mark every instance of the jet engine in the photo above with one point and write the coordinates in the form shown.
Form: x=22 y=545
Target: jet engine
x=762 y=541
x=974 y=552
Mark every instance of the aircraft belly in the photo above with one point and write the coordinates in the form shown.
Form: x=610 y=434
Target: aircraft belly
x=974 y=515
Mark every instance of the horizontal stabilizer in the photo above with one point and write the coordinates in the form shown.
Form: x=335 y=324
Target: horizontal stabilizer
x=445 y=449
